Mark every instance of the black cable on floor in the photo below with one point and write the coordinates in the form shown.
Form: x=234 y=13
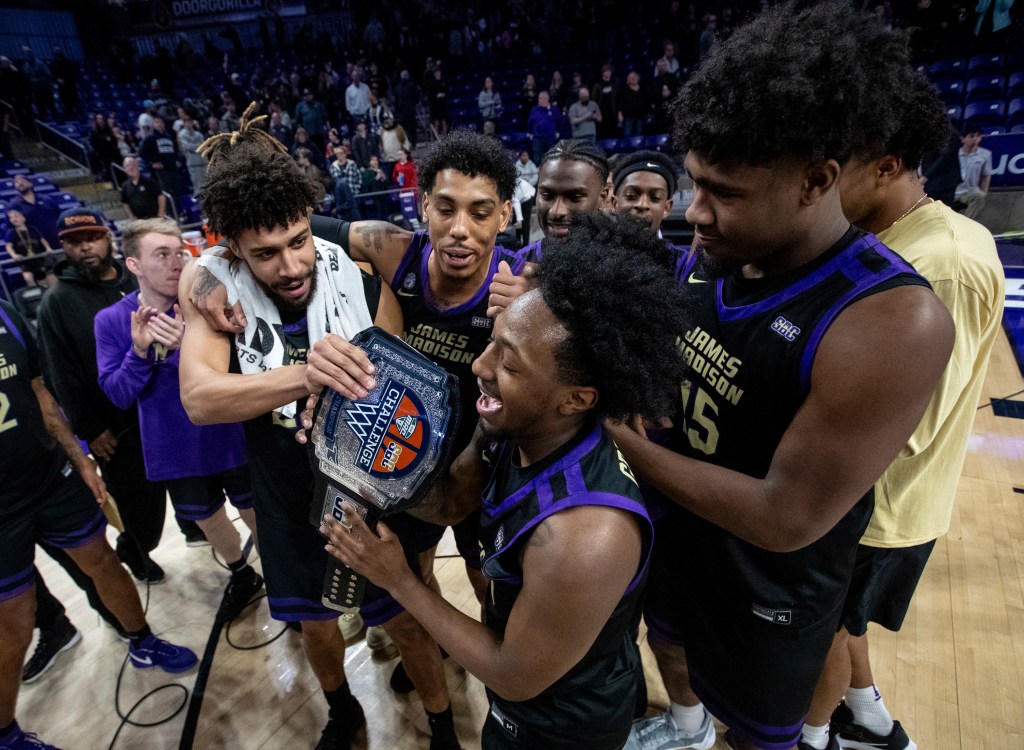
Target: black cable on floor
x=994 y=401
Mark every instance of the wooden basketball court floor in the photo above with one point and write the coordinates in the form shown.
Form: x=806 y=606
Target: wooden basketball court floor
x=954 y=676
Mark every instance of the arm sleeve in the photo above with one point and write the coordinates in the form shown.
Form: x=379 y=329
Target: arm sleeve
x=63 y=375
x=332 y=230
x=122 y=374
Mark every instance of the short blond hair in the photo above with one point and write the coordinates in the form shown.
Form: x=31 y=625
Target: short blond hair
x=139 y=228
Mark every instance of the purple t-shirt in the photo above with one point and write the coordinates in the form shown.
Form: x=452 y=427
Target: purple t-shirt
x=172 y=446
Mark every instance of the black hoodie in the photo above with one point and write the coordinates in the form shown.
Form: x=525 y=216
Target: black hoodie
x=69 y=348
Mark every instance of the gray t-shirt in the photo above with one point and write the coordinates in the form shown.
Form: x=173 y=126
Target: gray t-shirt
x=586 y=127
x=974 y=166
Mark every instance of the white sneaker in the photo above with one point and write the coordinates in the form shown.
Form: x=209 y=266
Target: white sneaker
x=351 y=624
x=380 y=643
x=661 y=733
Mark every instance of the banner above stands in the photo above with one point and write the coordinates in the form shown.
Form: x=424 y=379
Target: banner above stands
x=1007 y=159
x=172 y=13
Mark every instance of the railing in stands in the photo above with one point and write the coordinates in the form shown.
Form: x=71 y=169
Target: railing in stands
x=64 y=145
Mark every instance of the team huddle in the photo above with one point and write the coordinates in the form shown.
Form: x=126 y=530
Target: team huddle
x=750 y=444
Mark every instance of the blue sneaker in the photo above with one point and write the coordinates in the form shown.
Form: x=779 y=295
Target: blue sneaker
x=19 y=740
x=154 y=652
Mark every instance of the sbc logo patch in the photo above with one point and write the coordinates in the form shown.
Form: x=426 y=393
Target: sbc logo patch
x=391 y=433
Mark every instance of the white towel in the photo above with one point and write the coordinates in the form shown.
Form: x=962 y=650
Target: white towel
x=338 y=306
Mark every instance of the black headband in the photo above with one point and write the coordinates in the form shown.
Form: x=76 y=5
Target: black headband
x=646 y=166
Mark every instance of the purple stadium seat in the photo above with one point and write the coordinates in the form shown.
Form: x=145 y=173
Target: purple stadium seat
x=1015 y=86
x=947 y=69
x=1015 y=112
x=610 y=145
x=661 y=142
x=985 y=87
x=634 y=143
x=951 y=91
x=982 y=64
x=1017 y=128
x=955 y=113
x=985 y=114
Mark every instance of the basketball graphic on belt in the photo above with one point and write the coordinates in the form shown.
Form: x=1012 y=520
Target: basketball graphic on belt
x=391 y=432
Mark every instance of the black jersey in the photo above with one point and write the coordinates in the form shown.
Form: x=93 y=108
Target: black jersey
x=751 y=348
x=592 y=705
x=452 y=338
x=32 y=459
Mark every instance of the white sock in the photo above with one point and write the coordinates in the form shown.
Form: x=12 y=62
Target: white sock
x=869 y=710
x=816 y=737
x=687 y=718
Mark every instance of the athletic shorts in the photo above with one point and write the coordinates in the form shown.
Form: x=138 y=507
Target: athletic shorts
x=295 y=561
x=66 y=516
x=198 y=498
x=754 y=675
x=467 y=537
x=505 y=728
x=884 y=581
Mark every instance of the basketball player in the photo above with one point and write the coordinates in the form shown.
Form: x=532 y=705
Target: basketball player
x=914 y=497
x=137 y=343
x=50 y=490
x=564 y=533
x=441 y=278
x=256 y=197
x=814 y=350
x=643 y=184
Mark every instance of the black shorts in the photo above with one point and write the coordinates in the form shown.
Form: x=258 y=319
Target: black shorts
x=884 y=581
x=467 y=537
x=754 y=675
x=66 y=516
x=295 y=561
x=504 y=730
x=198 y=498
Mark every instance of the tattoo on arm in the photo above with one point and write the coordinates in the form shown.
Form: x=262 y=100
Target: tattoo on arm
x=203 y=285
x=376 y=235
x=55 y=423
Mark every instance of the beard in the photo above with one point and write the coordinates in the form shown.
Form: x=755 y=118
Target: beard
x=285 y=305
x=717 y=268
x=95 y=274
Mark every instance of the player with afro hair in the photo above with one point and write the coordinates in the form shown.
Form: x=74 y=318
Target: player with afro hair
x=564 y=532
x=795 y=405
x=471 y=154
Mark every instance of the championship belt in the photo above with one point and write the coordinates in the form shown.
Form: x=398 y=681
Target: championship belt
x=384 y=452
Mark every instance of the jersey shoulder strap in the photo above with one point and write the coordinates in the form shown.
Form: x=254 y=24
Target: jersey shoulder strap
x=6 y=317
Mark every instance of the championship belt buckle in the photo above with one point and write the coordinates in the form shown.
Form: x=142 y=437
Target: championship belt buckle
x=383 y=452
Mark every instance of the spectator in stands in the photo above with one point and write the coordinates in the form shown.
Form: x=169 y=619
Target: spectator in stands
x=104 y=146
x=189 y=140
x=526 y=172
x=940 y=170
x=542 y=126
x=634 y=106
x=348 y=182
x=662 y=115
x=708 y=37
x=41 y=82
x=976 y=171
x=375 y=181
x=91 y=278
x=229 y=121
x=160 y=151
x=404 y=173
x=528 y=97
x=14 y=84
x=393 y=139
x=437 y=95
x=407 y=97
x=27 y=246
x=556 y=91
x=489 y=102
x=364 y=146
x=311 y=117
x=212 y=125
x=584 y=116
x=376 y=113
x=140 y=195
x=606 y=96
x=668 y=61
x=526 y=169
x=333 y=141
x=38 y=214
x=357 y=99
x=145 y=121
x=124 y=144
x=279 y=130
x=577 y=84
x=304 y=158
x=303 y=141
x=65 y=73
x=663 y=78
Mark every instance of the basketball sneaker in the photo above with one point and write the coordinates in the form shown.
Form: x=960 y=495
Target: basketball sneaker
x=853 y=735
x=661 y=733
x=52 y=641
x=19 y=740
x=340 y=730
x=379 y=642
x=351 y=624
x=242 y=587
x=154 y=652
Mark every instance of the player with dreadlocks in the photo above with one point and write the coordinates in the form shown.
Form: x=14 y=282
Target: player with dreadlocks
x=292 y=289
x=814 y=350
x=564 y=535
